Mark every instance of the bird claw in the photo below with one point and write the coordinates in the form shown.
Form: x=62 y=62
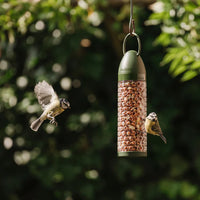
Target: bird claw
x=53 y=122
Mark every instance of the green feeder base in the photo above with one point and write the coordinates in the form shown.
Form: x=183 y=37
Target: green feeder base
x=132 y=154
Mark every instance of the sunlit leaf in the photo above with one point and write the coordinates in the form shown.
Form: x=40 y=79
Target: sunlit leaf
x=195 y=65
x=175 y=64
x=190 y=6
x=168 y=58
x=163 y=39
x=188 y=59
x=159 y=15
x=179 y=70
x=189 y=75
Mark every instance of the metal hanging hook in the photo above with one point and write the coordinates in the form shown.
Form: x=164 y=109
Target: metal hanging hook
x=131 y=21
x=132 y=31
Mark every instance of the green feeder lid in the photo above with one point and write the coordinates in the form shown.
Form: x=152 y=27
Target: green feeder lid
x=131 y=67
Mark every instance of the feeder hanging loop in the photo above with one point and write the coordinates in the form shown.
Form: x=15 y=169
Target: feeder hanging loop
x=138 y=40
x=132 y=31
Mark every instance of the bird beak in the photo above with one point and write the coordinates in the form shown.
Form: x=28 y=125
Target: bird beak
x=69 y=106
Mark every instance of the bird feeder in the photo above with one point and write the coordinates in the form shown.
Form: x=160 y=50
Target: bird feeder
x=132 y=103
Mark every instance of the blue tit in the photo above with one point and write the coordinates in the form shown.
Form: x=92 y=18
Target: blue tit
x=50 y=103
x=152 y=126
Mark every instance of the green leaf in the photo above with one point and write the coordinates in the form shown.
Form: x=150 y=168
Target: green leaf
x=188 y=59
x=195 y=65
x=163 y=39
x=159 y=15
x=188 y=190
x=189 y=75
x=190 y=6
x=173 y=50
x=175 y=64
x=174 y=53
x=7 y=76
x=170 y=188
x=168 y=58
x=179 y=70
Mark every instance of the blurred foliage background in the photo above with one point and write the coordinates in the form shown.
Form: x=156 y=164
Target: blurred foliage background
x=76 y=46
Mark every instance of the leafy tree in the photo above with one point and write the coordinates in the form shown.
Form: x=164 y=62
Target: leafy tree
x=77 y=48
x=179 y=35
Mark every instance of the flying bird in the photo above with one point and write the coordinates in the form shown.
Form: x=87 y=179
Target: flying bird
x=50 y=103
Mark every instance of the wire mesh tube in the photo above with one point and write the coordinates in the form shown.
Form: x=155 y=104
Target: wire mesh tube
x=132 y=137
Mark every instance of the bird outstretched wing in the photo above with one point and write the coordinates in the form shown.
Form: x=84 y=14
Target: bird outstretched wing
x=45 y=94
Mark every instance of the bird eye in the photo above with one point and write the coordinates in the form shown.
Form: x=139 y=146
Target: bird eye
x=66 y=104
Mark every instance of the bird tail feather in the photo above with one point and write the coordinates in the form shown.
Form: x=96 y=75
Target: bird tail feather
x=36 y=124
x=163 y=138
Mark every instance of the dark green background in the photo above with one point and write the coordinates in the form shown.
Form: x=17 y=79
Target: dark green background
x=78 y=160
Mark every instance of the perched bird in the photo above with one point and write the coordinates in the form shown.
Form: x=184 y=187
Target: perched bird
x=50 y=103
x=152 y=126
